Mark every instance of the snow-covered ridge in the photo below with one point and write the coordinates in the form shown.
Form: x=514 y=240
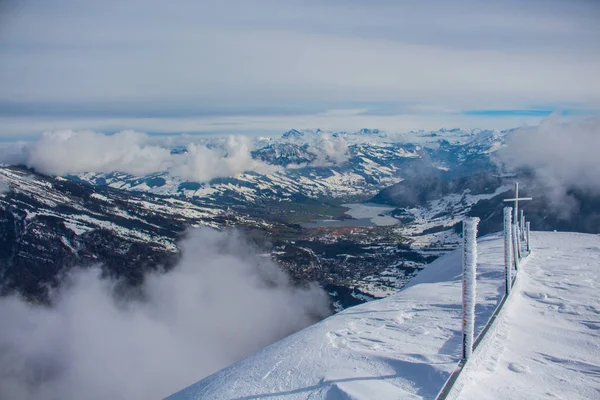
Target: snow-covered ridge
x=406 y=346
x=312 y=163
x=83 y=219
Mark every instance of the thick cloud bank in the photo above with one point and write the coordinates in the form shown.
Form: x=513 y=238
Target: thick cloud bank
x=222 y=302
x=68 y=152
x=74 y=152
x=71 y=152
x=562 y=154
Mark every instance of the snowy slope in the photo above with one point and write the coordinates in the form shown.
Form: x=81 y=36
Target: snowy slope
x=546 y=344
x=406 y=346
x=403 y=346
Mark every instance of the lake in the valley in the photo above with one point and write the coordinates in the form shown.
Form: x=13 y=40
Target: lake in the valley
x=364 y=214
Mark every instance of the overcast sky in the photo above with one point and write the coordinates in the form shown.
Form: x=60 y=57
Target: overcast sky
x=259 y=66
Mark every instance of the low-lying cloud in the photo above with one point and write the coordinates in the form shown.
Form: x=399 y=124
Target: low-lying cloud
x=135 y=153
x=335 y=149
x=69 y=152
x=222 y=302
x=563 y=154
x=200 y=163
x=328 y=148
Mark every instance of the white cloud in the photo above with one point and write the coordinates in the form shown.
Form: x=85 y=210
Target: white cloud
x=563 y=154
x=219 y=55
x=72 y=152
x=221 y=303
x=262 y=125
x=68 y=152
x=271 y=66
x=202 y=164
x=334 y=149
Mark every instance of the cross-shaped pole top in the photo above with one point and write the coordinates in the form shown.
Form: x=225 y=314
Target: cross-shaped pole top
x=516 y=200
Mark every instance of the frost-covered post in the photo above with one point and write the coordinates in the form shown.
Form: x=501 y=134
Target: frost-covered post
x=516 y=233
x=522 y=224
x=528 y=229
x=508 y=247
x=469 y=283
x=515 y=240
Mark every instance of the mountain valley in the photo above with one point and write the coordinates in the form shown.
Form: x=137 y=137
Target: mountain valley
x=407 y=198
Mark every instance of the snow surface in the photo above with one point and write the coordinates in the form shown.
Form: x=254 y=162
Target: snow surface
x=407 y=345
x=403 y=345
x=546 y=342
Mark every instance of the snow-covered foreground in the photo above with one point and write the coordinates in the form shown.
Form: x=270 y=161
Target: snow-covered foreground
x=546 y=342
x=407 y=345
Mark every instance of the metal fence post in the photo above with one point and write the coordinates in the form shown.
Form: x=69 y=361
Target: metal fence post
x=508 y=248
x=469 y=283
x=515 y=240
x=517 y=234
x=528 y=237
x=522 y=225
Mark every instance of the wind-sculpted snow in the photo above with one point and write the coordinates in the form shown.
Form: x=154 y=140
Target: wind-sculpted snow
x=221 y=302
x=546 y=342
x=406 y=346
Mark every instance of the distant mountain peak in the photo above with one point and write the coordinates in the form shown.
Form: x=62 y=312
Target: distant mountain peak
x=179 y=150
x=292 y=133
x=367 y=131
x=285 y=154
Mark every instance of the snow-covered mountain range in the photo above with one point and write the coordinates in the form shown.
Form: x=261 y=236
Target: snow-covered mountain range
x=131 y=224
x=317 y=164
x=360 y=213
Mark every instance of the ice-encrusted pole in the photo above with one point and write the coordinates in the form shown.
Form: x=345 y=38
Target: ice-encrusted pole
x=522 y=225
x=515 y=240
x=517 y=234
x=517 y=231
x=469 y=283
x=528 y=237
x=508 y=247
